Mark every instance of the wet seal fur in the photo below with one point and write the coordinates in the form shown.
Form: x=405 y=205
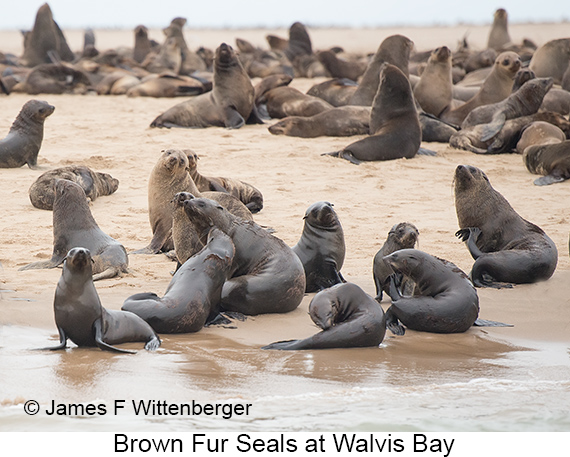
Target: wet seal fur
x=506 y=248
x=401 y=236
x=80 y=317
x=93 y=183
x=348 y=318
x=266 y=275
x=444 y=299
x=194 y=293
x=74 y=226
x=24 y=140
x=321 y=248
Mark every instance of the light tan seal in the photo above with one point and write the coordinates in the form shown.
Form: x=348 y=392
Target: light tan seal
x=552 y=59
x=499 y=37
x=434 y=89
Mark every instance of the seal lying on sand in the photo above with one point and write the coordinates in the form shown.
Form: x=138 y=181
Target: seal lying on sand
x=506 y=247
x=194 y=293
x=80 y=317
x=73 y=226
x=348 y=318
x=444 y=299
x=550 y=160
x=266 y=275
x=93 y=183
x=24 y=140
x=321 y=248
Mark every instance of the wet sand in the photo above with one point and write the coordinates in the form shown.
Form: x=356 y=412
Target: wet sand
x=420 y=381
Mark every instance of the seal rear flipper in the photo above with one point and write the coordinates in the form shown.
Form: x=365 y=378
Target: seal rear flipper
x=110 y=272
x=153 y=344
x=486 y=323
x=233 y=119
x=97 y=327
x=43 y=264
x=488 y=281
x=287 y=345
x=254 y=117
x=155 y=245
x=548 y=179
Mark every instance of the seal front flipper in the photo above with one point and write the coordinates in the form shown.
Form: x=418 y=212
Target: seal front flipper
x=494 y=127
x=487 y=323
x=52 y=263
x=233 y=119
x=254 y=117
x=343 y=155
x=426 y=152
x=287 y=345
x=393 y=324
x=98 y=329
x=393 y=291
x=326 y=276
x=471 y=235
x=62 y=342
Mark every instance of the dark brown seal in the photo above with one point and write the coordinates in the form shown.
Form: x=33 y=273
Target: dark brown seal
x=395 y=130
x=506 y=247
x=249 y=195
x=93 y=183
x=194 y=293
x=266 y=275
x=402 y=236
x=80 y=317
x=321 y=247
x=73 y=226
x=550 y=160
x=24 y=140
x=444 y=299
x=185 y=239
x=348 y=318
x=229 y=104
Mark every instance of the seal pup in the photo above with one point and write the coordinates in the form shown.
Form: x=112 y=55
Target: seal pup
x=194 y=293
x=24 y=140
x=506 y=248
x=395 y=130
x=266 y=275
x=229 y=104
x=321 y=247
x=444 y=299
x=74 y=226
x=434 y=89
x=348 y=317
x=249 y=195
x=499 y=37
x=80 y=317
x=93 y=183
x=401 y=236
x=550 y=159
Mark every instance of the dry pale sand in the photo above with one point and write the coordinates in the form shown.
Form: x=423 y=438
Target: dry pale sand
x=112 y=134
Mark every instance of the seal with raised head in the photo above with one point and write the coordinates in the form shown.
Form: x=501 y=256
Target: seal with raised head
x=434 y=90
x=506 y=248
x=321 y=248
x=444 y=299
x=93 y=183
x=266 y=275
x=80 y=317
x=194 y=293
x=24 y=140
x=550 y=159
x=395 y=130
x=499 y=37
x=348 y=317
x=230 y=103
x=74 y=226
x=401 y=236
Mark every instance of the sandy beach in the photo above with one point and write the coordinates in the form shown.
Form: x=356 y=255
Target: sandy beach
x=418 y=381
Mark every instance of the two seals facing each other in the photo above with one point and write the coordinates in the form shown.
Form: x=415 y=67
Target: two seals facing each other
x=80 y=317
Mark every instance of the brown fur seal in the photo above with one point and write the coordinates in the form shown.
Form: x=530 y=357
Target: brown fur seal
x=229 y=104
x=321 y=248
x=73 y=226
x=395 y=130
x=190 y=61
x=444 y=299
x=539 y=132
x=402 y=236
x=523 y=102
x=54 y=79
x=194 y=293
x=168 y=177
x=496 y=87
x=250 y=196
x=337 y=92
x=341 y=68
x=260 y=63
x=286 y=101
x=434 y=90
x=557 y=100
x=348 y=317
x=46 y=42
x=266 y=275
x=93 y=183
x=506 y=247
x=551 y=59
x=168 y=58
x=142 y=44
x=394 y=50
x=341 y=121
x=24 y=140
x=80 y=317
x=552 y=160
x=184 y=236
x=499 y=37
x=166 y=85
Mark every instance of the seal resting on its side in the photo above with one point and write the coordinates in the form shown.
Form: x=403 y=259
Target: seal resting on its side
x=194 y=293
x=74 y=226
x=444 y=299
x=24 y=140
x=506 y=248
x=348 y=317
x=80 y=317
x=552 y=160
x=266 y=275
